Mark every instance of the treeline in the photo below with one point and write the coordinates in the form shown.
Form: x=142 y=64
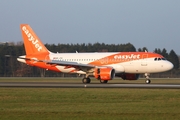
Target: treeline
x=96 y=47
x=10 y=67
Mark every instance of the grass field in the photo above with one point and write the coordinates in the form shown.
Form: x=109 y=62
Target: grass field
x=88 y=103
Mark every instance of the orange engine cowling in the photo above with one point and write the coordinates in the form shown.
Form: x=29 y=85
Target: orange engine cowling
x=129 y=76
x=104 y=73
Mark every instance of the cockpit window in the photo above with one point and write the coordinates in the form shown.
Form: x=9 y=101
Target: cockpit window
x=163 y=58
x=158 y=59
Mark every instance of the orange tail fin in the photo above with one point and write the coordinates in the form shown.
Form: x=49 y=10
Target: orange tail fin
x=32 y=43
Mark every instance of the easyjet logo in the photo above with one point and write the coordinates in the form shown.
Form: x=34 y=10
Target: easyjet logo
x=131 y=56
x=34 y=41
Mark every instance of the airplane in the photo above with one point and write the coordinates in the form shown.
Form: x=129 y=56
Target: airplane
x=104 y=66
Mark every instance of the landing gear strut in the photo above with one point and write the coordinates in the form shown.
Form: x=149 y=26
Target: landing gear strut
x=148 y=81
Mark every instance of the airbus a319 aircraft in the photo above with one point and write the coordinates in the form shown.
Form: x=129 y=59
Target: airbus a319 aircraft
x=103 y=66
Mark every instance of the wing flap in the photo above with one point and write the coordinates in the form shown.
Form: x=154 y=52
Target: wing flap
x=61 y=63
x=72 y=64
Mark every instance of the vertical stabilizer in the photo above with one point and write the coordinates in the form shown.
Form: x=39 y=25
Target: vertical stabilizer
x=32 y=43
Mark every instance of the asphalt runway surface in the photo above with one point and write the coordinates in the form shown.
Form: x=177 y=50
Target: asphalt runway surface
x=81 y=85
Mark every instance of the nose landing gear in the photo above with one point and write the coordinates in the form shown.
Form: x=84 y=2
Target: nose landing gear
x=147 y=81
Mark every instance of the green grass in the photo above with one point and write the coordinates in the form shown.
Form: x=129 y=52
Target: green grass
x=89 y=104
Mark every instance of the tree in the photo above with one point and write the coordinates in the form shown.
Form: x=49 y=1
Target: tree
x=140 y=50
x=129 y=48
x=11 y=67
x=157 y=51
x=164 y=53
x=174 y=59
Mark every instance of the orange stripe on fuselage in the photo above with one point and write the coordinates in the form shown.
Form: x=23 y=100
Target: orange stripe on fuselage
x=124 y=57
x=42 y=56
x=43 y=65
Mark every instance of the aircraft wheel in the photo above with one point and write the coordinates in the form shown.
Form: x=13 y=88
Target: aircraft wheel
x=148 y=81
x=103 y=81
x=86 y=80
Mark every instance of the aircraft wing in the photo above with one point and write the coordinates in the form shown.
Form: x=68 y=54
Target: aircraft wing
x=78 y=66
x=65 y=63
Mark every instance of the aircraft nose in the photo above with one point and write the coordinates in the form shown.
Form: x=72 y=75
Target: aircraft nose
x=169 y=65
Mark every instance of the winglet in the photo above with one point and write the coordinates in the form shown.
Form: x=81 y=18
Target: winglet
x=32 y=43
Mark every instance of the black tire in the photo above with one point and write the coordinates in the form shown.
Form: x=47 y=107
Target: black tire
x=148 y=81
x=103 y=81
x=86 y=80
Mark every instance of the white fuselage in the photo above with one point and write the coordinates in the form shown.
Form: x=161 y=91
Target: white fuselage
x=127 y=65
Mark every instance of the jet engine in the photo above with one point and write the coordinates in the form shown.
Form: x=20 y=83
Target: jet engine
x=104 y=73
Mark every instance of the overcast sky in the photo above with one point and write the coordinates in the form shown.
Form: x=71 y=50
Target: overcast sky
x=143 y=23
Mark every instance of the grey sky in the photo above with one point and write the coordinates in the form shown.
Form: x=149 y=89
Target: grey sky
x=144 y=23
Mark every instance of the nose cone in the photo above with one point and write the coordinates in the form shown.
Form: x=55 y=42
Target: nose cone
x=169 y=66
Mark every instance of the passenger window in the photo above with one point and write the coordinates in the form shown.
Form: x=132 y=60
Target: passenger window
x=155 y=59
x=159 y=58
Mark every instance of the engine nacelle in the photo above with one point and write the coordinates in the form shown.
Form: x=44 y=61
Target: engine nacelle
x=129 y=76
x=104 y=73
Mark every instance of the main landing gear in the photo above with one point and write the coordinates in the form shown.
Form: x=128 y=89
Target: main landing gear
x=103 y=81
x=88 y=80
x=148 y=81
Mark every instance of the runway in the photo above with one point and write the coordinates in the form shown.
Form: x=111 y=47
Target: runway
x=81 y=85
